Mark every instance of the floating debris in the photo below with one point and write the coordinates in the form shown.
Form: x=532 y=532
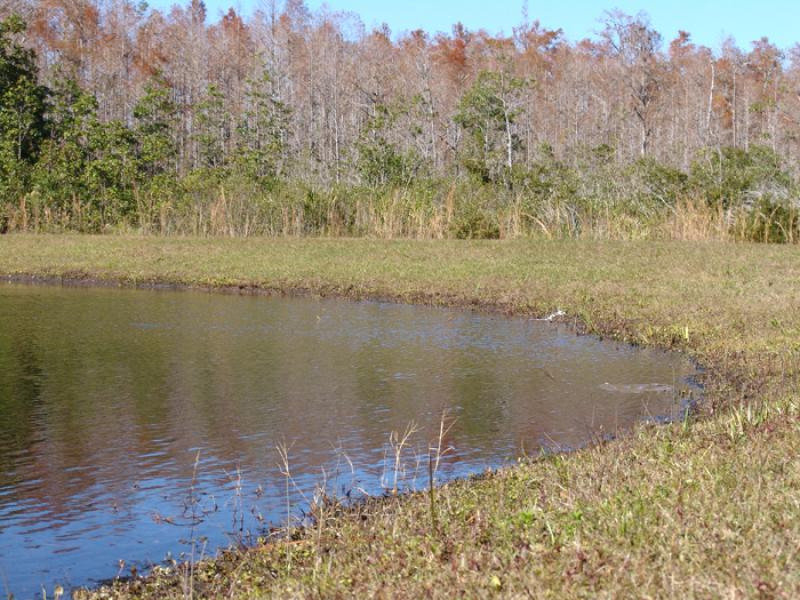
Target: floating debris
x=556 y=315
x=638 y=388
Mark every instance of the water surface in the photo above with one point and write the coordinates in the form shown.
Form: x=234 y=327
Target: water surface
x=108 y=397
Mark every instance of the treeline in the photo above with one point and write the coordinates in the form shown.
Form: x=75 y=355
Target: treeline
x=117 y=117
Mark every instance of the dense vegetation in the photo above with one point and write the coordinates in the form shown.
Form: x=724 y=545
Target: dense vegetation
x=113 y=119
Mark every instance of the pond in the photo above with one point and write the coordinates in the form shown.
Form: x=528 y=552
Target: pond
x=134 y=424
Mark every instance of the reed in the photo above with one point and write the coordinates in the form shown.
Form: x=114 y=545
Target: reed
x=437 y=210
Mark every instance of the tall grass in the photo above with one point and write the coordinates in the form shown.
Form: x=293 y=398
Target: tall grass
x=439 y=210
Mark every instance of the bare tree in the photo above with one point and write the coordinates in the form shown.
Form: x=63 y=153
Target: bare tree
x=637 y=48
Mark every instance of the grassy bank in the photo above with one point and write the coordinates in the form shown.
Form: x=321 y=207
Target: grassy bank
x=706 y=508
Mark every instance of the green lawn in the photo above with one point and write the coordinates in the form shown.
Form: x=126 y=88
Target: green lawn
x=706 y=508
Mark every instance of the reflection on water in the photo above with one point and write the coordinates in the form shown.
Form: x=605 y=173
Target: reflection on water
x=107 y=397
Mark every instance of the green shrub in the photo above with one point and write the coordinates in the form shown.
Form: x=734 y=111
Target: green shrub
x=731 y=177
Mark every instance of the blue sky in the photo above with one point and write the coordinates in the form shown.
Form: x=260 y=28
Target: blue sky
x=709 y=21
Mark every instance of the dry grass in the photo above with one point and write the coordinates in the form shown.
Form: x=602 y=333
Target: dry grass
x=706 y=508
x=435 y=213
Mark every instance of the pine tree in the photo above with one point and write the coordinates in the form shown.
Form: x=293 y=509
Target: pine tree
x=213 y=131
x=381 y=160
x=156 y=147
x=262 y=132
x=156 y=118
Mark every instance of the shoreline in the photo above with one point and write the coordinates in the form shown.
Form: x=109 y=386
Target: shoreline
x=744 y=340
